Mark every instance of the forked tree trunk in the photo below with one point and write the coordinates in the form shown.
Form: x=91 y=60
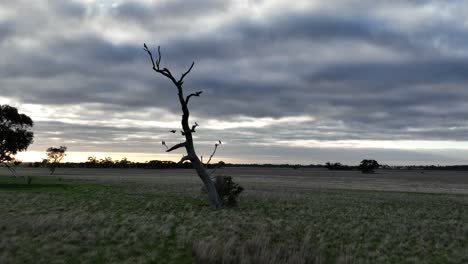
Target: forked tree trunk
x=213 y=195
x=187 y=131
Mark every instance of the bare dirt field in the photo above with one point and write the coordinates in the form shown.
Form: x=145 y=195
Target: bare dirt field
x=274 y=179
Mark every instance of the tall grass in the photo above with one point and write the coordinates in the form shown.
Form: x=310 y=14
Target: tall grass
x=164 y=223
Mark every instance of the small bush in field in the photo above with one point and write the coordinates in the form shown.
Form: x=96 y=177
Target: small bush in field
x=228 y=190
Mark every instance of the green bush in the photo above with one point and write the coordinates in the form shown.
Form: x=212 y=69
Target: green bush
x=368 y=166
x=228 y=190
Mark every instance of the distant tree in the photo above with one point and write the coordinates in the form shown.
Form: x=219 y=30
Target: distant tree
x=188 y=130
x=123 y=163
x=54 y=156
x=106 y=162
x=92 y=162
x=368 y=166
x=92 y=159
x=15 y=134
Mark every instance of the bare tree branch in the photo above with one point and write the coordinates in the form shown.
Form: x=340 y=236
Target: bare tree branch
x=159 y=57
x=180 y=145
x=212 y=154
x=193 y=94
x=219 y=165
x=150 y=55
x=164 y=144
x=181 y=80
x=185 y=158
x=193 y=127
x=156 y=64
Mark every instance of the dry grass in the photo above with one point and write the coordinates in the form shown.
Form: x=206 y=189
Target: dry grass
x=164 y=222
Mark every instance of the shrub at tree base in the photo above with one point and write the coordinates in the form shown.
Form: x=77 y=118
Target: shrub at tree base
x=228 y=190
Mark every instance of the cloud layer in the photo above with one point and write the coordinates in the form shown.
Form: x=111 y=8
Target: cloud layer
x=274 y=76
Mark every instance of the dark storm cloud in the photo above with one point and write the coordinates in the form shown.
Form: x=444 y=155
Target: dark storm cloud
x=87 y=55
x=69 y=9
x=314 y=27
x=252 y=37
x=397 y=74
x=7 y=29
x=362 y=75
x=146 y=13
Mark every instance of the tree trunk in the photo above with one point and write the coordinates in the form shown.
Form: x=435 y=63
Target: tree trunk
x=11 y=169
x=213 y=195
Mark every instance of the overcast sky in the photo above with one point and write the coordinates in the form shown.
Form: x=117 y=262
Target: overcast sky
x=283 y=81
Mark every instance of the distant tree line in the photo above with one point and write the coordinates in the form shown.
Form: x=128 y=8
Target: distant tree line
x=433 y=167
x=108 y=162
x=338 y=166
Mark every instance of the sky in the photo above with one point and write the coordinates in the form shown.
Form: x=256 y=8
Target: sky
x=305 y=81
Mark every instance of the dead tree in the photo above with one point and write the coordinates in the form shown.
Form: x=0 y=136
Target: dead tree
x=187 y=131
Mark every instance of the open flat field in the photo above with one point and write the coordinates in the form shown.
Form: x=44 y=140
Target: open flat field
x=274 y=179
x=285 y=216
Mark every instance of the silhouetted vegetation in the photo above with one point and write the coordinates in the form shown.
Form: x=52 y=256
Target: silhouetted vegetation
x=435 y=167
x=15 y=134
x=54 y=156
x=107 y=162
x=338 y=166
x=228 y=190
x=368 y=166
x=187 y=130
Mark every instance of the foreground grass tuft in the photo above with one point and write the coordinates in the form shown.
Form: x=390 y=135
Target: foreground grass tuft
x=74 y=222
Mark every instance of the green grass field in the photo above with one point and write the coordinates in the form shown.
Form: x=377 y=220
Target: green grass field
x=72 y=221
